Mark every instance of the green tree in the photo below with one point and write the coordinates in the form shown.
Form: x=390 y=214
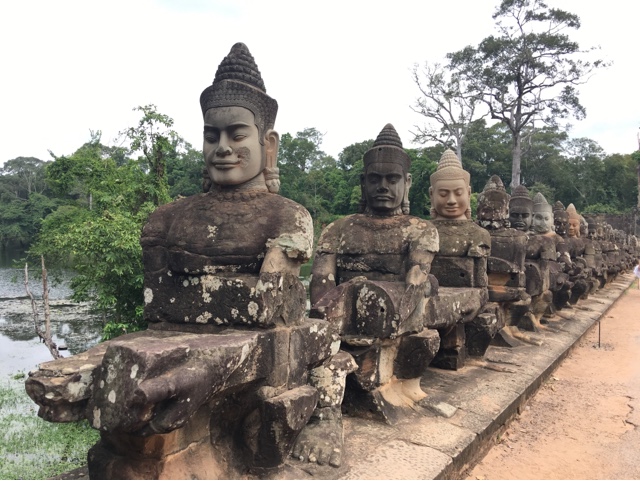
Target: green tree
x=107 y=201
x=424 y=162
x=22 y=176
x=154 y=139
x=486 y=153
x=24 y=200
x=184 y=172
x=529 y=72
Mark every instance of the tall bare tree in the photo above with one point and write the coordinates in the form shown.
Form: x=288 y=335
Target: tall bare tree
x=448 y=104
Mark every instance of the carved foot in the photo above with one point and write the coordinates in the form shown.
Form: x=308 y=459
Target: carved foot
x=321 y=440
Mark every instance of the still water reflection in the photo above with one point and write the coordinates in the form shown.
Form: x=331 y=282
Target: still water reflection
x=73 y=325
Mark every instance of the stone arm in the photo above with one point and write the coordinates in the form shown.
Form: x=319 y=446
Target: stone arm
x=419 y=266
x=424 y=245
x=323 y=275
x=481 y=245
x=276 y=260
x=562 y=254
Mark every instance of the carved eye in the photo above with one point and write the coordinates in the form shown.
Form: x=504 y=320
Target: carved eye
x=211 y=137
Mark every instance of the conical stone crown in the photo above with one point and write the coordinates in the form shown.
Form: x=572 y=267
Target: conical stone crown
x=450 y=168
x=238 y=83
x=387 y=148
x=540 y=204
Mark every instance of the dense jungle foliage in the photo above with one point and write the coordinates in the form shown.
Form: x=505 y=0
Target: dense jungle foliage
x=85 y=210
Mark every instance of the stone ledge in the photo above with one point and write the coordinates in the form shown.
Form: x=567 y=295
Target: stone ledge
x=487 y=395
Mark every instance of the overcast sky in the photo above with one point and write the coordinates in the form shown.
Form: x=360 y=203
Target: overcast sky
x=343 y=67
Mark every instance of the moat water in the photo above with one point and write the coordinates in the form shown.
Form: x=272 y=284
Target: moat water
x=73 y=325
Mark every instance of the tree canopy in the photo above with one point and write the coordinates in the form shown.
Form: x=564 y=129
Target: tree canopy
x=526 y=75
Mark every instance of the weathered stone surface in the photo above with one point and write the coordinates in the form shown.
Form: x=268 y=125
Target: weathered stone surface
x=174 y=371
x=452 y=354
x=192 y=395
x=462 y=258
x=481 y=331
x=183 y=453
x=453 y=305
x=281 y=419
x=62 y=387
x=310 y=344
x=415 y=353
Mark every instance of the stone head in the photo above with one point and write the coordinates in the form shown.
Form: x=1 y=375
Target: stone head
x=450 y=189
x=592 y=227
x=584 y=227
x=240 y=146
x=560 y=218
x=542 y=220
x=573 y=227
x=493 y=205
x=520 y=208
x=386 y=180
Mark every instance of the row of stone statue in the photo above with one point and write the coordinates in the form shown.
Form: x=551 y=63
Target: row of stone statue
x=233 y=375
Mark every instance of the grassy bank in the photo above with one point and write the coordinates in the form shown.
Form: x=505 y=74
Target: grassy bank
x=31 y=448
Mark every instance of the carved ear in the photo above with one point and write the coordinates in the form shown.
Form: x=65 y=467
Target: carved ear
x=405 y=198
x=431 y=193
x=271 y=144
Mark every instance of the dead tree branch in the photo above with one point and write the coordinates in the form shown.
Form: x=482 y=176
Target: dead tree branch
x=46 y=335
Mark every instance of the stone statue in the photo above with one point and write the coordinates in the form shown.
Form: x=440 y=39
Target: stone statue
x=460 y=267
x=370 y=279
x=218 y=384
x=560 y=219
x=506 y=264
x=544 y=274
x=581 y=271
x=589 y=255
x=593 y=235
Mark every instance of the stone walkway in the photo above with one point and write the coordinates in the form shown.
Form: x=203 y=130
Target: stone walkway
x=584 y=422
x=481 y=399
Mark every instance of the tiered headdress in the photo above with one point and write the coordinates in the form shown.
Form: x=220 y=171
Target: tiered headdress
x=494 y=192
x=540 y=204
x=388 y=148
x=573 y=213
x=450 y=168
x=238 y=82
x=520 y=196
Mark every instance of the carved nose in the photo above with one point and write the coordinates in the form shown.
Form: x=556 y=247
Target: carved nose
x=223 y=150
